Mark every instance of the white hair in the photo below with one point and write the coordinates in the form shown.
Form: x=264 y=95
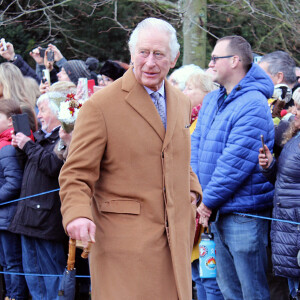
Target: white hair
x=183 y=73
x=202 y=80
x=54 y=98
x=159 y=25
x=296 y=96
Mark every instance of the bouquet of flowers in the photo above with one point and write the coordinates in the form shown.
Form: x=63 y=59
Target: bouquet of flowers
x=68 y=112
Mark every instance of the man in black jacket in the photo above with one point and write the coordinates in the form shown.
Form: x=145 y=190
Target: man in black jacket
x=38 y=219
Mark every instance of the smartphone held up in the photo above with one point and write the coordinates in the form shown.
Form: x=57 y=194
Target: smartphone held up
x=46 y=76
x=3 y=44
x=21 y=124
x=263 y=144
x=50 y=55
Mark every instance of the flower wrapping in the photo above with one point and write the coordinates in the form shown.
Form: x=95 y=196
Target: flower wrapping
x=68 y=112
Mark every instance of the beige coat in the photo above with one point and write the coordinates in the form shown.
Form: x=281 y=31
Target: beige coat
x=139 y=180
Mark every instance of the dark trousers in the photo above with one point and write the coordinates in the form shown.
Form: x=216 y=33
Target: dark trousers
x=279 y=289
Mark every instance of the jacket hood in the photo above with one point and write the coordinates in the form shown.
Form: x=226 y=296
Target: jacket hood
x=255 y=80
x=5 y=137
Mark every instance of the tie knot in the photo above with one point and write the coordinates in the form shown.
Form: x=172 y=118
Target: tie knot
x=155 y=95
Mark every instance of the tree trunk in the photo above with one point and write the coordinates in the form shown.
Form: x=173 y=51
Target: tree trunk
x=195 y=17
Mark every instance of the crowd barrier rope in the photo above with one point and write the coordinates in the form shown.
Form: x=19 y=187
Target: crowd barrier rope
x=237 y=213
x=88 y=276
x=42 y=275
x=31 y=196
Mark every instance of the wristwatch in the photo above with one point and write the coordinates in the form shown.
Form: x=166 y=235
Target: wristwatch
x=14 y=59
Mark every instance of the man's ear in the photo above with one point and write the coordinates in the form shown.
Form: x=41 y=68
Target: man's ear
x=279 y=77
x=173 y=63
x=235 y=61
x=132 y=60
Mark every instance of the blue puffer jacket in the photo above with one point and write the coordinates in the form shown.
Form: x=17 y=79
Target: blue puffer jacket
x=285 y=237
x=10 y=184
x=226 y=141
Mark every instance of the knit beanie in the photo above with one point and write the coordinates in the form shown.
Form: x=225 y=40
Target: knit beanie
x=112 y=70
x=93 y=63
x=76 y=69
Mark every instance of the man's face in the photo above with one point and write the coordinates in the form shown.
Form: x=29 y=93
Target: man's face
x=265 y=66
x=47 y=118
x=63 y=76
x=220 y=68
x=152 y=58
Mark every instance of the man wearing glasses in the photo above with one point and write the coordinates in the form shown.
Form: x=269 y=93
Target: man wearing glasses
x=225 y=146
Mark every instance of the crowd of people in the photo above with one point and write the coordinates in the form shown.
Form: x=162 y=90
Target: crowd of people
x=133 y=161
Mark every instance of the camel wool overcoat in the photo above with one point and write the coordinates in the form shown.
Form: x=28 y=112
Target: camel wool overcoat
x=133 y=179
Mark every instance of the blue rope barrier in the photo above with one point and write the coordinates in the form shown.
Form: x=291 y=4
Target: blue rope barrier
x=87 y=276
x=267 y=218
x=27 y=197
x=42 y=275
x=242 y=214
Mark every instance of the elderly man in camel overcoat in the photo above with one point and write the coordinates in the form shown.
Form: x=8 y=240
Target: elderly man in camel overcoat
x=127 y=184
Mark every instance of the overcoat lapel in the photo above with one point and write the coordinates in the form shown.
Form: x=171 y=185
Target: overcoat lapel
x=172 y=112
x=141 y=102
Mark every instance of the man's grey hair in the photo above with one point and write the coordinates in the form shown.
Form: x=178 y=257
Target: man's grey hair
x=54 y=99
x=159 y=25
x=280 y=61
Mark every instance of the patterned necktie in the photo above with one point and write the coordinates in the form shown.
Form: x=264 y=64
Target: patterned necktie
x=160 y=104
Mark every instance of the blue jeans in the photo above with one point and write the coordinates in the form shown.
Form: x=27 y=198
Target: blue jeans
x=11 y=261
x=207 y=288
x=241 y=256
x=43 y=257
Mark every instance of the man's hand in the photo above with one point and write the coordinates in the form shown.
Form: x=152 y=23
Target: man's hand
x=19 y=139
x=66 y=137
x=35 y=54
x=193 y=198
x=48 y=64
x=265 y=160
x=204 y=213
x=82 y=229
x=57 y=54
x=44 y=87
x=9 y=54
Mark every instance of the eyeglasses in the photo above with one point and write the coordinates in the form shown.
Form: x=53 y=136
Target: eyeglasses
x=215 y=58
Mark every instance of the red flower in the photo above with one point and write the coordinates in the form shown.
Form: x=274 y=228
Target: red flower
x=73 y=103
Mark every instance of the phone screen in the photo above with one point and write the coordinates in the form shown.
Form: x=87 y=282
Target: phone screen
x=50 y=55
x=21 y=123
x=42 y=52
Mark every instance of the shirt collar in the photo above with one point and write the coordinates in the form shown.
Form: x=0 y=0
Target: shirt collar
x=47 y=134
x=161 y=91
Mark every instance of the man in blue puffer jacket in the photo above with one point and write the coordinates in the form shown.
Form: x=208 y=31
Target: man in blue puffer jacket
x=224 y=157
